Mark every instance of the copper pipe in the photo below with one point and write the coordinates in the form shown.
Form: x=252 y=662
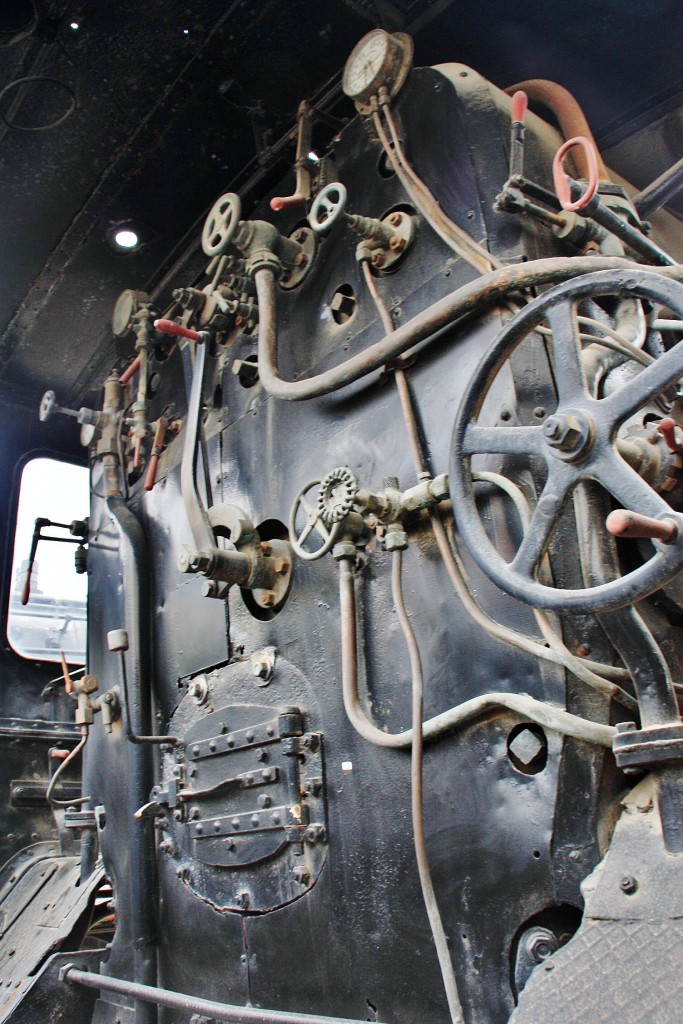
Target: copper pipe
x=569 y=114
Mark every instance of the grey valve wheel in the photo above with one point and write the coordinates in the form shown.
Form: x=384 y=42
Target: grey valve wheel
x=221 y=224
x=47 y=406
x=577 y=443
x=337 y=492
x=306 y=524
x=328 y=207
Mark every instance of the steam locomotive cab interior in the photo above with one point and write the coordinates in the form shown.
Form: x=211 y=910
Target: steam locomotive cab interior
x=341 y=365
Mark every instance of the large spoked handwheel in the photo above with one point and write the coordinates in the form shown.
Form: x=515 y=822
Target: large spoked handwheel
x=577 y=442
x=221 y=224
x=306 y=524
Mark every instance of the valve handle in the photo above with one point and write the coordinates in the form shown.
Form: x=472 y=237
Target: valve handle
x=328 y=207
x=221 y=224
x=560 y=177
x=130 y=371
x=315 y=524
x=48 y=407
x=171 y=327
x=668 y=429
x=520 y=102
x=624 y=523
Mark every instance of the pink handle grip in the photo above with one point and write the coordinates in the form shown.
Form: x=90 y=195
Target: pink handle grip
x=560 y=178
x=520 y=102
x=170 y=327
x=284 y=202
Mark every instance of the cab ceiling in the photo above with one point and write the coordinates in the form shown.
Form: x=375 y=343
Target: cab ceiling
x=158 y=107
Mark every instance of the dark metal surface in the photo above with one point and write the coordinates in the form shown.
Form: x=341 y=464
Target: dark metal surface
x=220 y=909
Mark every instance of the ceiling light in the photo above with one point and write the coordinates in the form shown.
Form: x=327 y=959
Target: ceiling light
x=74 y=25
x=126 y=236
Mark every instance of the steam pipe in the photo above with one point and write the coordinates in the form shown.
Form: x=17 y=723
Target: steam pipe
x=527 y=707
x=660 y=191
x=472 y=297
x=139 y=776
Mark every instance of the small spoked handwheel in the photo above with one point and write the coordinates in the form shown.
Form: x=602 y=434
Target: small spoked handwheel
x=306 y=524
x=221 y=224
x=328 y=206
x=577 y=443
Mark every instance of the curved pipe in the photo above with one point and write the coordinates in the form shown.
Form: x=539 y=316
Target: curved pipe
x=569 y=114
x=534 y=710
x=139 y=776
x=473 y=297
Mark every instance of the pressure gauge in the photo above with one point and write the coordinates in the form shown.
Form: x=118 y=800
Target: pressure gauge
x=379 y=59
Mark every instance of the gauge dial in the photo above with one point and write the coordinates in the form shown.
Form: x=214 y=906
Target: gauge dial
x=379 y=59
x=365 y=63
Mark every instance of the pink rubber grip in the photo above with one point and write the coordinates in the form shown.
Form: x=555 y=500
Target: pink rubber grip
x=520 y=102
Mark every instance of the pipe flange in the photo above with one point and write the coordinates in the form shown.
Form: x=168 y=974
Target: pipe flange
x=636 y=749
x=337 y=494
x=263 y=259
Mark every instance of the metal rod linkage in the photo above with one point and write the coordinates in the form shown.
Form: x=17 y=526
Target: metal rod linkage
x=194 y=1004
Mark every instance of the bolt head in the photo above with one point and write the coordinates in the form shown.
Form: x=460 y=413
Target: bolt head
x=396 y=243
x=628 y=885
x=395 y=220
x=377 y=260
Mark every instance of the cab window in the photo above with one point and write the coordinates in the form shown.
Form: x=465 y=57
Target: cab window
x=47 y=614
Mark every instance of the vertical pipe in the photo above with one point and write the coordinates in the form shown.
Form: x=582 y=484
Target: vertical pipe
x=139 y=775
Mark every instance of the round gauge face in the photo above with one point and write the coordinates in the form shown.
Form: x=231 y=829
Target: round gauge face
x=363 y=71
x=123 y=310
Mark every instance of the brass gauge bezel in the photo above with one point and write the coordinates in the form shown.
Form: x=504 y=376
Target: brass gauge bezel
x=365 y=74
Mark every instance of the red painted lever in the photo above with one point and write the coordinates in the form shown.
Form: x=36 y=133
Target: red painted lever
x=520 y=102
x=623 y=523
x=157 y=448
x=171 y=327
x=130 y=371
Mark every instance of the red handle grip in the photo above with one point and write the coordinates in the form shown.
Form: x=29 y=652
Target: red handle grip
x=26 y=592
x=520 y=102
x=151 y=477
x=171 y=327
x=624 y=523
x=560 y=178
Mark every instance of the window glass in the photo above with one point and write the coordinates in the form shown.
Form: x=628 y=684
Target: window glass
x=54 y=619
